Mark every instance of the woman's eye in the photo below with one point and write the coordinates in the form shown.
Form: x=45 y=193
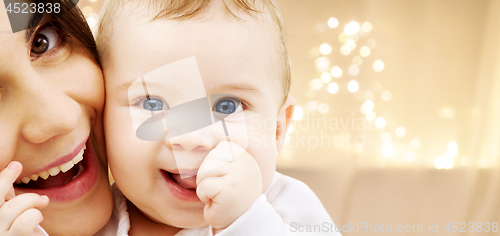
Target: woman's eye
x=226 y=106
x=153 y=104
x=44 y=40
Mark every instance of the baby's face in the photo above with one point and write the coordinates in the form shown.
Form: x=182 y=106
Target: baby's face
x=155 y=68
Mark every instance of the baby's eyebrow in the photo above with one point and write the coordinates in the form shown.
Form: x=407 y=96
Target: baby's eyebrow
x=236 y=86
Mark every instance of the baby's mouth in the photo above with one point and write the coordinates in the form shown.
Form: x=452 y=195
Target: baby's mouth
x=186 y=182
x=56 y=176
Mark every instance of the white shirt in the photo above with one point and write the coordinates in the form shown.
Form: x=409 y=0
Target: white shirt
x=288 y=207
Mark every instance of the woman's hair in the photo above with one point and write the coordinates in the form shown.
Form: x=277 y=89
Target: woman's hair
x=71 y=20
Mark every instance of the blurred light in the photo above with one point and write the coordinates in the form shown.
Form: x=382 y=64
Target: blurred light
x=345 y=50
x=410 y=156
x=322 y=63
x=93 y=0
x=387 y=149
x=371 y=43
x=336 y=72
x=92 y=22
x=323 y=108
x=87 y=11
x=378 y=65
x=333 y=88
x=367 y=26
x=357 y=60
x=386 y=96
x=287 y=139
x=465 y=161
x=325 y=49
x=452 y=150
x=385 y=136
x=380 y=122
x=315 y=84
x=483 y=163
x=415 y=143
x=377 y=86
x=353 y=86
x=351 y=28
x=447 y=113
x=333 y=22
x=443 y=163
x=365 y=51
x=351 y=44
x=343 y=38
x=369 y=94
x=290 y=129
x=353 y=70
x=370 y=116
x=326 y=77
x=368 y=105
x=298 y=113
x=312 y=105
x=400 y=132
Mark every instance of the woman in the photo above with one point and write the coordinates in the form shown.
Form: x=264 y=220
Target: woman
x=51 y=103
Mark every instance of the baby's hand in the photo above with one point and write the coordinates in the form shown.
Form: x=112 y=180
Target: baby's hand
x=19 y=215
x=228 y=186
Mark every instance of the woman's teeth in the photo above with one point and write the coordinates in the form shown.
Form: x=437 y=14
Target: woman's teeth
x=56 y=170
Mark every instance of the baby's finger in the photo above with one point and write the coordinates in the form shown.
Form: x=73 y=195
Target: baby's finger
x=26 y=223
x=208 y=189
x=12 y=209
x=11 y=194
x=7 y=177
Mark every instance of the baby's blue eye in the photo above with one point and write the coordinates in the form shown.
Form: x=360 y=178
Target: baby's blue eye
x=153 y=104
x=225 y=106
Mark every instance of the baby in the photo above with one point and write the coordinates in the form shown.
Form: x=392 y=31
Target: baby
x=196 y=112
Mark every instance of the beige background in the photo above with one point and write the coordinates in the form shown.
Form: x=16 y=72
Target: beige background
x=442 y=66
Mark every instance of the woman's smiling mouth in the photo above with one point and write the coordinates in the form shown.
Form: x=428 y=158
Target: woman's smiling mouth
x=66 y=179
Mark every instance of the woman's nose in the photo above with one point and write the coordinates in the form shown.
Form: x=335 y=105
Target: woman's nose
x=49 y=112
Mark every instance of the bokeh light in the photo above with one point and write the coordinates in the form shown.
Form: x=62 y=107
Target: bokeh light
x=325 y=49
x=333 y=88
x=345 y=50
x=326 y=77
x=387 y=148
x=315 y=84
x=333 y=22
x=351 y=28
x=322 y=63
x=386 y=96
x=400 y=132
x=312 y=105
x=370 y=116
x=353 y=70
x=357 y=60
x=367 y=26
x=365 y=51
x=298 y=113
x=386 y=136
x=353 y=86
x=378 y=65
x=336 y=72
x=380 y=122
x=323 y=108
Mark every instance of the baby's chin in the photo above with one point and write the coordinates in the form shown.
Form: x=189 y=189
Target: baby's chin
x=185 y=219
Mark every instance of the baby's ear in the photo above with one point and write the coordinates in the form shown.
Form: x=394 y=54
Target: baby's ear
x=283 y=122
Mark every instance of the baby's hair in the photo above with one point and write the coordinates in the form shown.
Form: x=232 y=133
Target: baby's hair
x=188 y=9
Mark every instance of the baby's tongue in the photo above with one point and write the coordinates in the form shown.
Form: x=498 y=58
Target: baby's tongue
x=186 y=182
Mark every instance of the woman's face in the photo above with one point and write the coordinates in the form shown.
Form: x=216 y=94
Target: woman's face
x=51 y=103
